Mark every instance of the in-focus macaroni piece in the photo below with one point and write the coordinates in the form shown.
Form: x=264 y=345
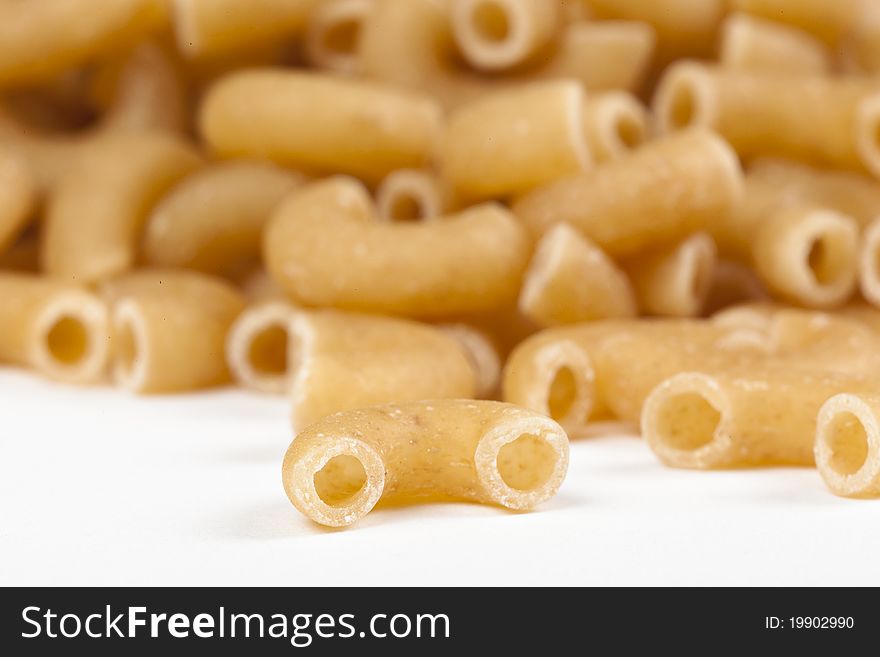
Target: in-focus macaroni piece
x=320 y=122
x=213 y=220
x=828 y=21
x=18 y=198
x=482 y=353
x=847 y=447
x=333 y=34
x=869 y=263
x=411 y=195
x=735 y=418
x=324 y=247
x=59 y=329
x=495 y=35
x=259 y=351
x=211 y=27
x=336 y=470
x=674 y=186
x=768 y=114
x=341 y=361
x=615 y=123
x=511 y=141
x=39 y=40
x=169 y=329
x=95 y=217
x=675 y=281
x=571 y=280
x=760 y=45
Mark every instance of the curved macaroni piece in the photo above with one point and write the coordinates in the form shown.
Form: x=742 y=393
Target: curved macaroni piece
x=213 y=220
x=325 y=248
x=319 y=122
x=495 y=35
x=59 y=329
x=615 y=123
x=482 y=354
x=336 y=470
x=18 y=198
x=511 y=141
x=828 y=21
x=847 y=447
x=411 y=195
x=675 y=186
x=95 y=217
x=333 y=34
x=756 y=44
x=675 y=281
x=571 y=280
x=40 y=40
x=169 y=329
x=259 y=351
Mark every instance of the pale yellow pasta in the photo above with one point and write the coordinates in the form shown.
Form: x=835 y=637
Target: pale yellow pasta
x=674 y=281
x=213 y=220
x=41 y=39
x=732 y=283
x=511 y=141
x=340 y=361
x=869 y=263
x=59 y=329
x=495 y=35
x=259 y=351
x=324 y=247
x=339 y=468
x=482 y=354
x=96 y=215
x=763 y=415
x=257 y=285
x=333 y=34
x=210 y=27
x=18 y=198
x=664 y=191
x=827 y=20
x=756 y=44
x=571 y=280
x=847 y=446
x=320 y=122
x=412 y=195
x=169 y=329
x=615 y=122
x=816 y=119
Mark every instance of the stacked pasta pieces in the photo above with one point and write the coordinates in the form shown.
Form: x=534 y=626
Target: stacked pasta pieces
x=455 y=231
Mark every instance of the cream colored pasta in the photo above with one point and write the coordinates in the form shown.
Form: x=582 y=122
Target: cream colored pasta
x=412 y=195
x=511 y=141
x=571 y=280
x=95 y=217
x=756 y=44
x=333 y=34
x=169 y=330
x=615 y=123
x=482 y=354
x=325 y=248
x=320 y=122
x=57 y=328
x=259 y=350
x=213 y=220
x=341 y=361
x=674 y=186
x=847 y=447
x=675 y=281
x=828 y=21
x=18 y=198
x=500 y=34
x=338 y=469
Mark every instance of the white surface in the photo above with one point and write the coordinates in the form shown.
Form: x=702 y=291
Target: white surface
x=99 y=487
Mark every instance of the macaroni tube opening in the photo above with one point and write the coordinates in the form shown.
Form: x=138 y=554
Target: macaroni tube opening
x=72 y=338
x=562 y=385
x=847 y=447
x=830 y=259
x=333 y=34
x=408 y=196
x=868 y=133
x=684 y=100
x=622 y=125
x=683 y=421
x=129 y=346
x=494 y=34
x=869 y=263
x=522 y=461
x=259 y=348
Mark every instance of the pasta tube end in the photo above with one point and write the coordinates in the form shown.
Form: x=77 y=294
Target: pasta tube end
x=847 y=447
x=684 y=99
x=258 y=348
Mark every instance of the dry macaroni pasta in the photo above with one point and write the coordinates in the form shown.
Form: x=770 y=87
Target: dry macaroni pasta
x=847 y=447
x=756 y=44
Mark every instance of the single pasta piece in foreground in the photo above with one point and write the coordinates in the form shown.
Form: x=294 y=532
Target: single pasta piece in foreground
x=615 y=123
x=259 y=349
x=412 y=195
x=336 y=470
x=828 y=21
x=339 y=361
x=756 y=44
x=571 y=280
x=213 y=220
x=169 y=329
x=18 y=197
x=59 y=329
x=320 y=122
x=94 y=220
x=847 y=447
x=324 y=247
x=674 y=187
x=333 y=34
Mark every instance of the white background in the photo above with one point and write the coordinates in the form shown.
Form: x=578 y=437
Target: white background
x=101 y=487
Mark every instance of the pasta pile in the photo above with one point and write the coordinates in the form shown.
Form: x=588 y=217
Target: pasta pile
x=454 y=232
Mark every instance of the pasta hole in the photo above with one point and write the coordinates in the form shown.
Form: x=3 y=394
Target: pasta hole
x=491 y=22
x=687 y=421
x=683 y=106
x=68 y=340
x=846 y=438
x=342 y=37
x=827 y=260
x=406 y=208
x=526 y=463
x=267 y=353
x=340 y=480
x=562 y=394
